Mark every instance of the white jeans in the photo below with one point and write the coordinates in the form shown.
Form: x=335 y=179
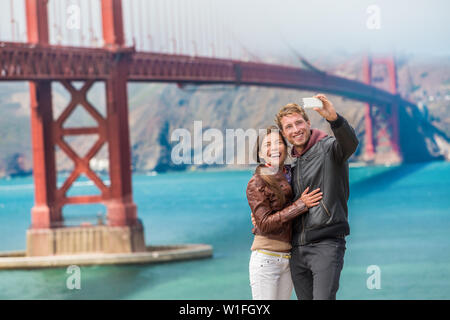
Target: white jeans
x=270 y=277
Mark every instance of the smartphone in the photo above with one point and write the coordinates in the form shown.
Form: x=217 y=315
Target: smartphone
x=309 y=103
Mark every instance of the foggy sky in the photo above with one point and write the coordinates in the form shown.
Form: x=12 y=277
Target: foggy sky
x=321 y=25
x=417 y=26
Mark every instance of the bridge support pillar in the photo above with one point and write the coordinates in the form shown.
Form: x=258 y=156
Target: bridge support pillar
x=393 y=88
x=369 y=152
x=123 y=233
x=385 y=120
x=46 y=212
x=121 y=208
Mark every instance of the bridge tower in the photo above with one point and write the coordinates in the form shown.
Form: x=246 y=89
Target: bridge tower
x=123 y=232
x=381 y=121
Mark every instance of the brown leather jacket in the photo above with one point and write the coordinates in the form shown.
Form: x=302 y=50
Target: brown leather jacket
x=273 y=219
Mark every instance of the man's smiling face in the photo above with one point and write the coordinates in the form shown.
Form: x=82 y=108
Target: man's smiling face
x=296 y=130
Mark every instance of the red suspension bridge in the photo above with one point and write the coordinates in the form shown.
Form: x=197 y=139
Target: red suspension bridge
x=147 y=41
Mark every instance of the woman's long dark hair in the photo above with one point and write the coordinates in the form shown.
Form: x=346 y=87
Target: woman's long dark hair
x=270 y=179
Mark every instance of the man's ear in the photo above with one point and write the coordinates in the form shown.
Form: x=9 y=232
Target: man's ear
x=309 y=123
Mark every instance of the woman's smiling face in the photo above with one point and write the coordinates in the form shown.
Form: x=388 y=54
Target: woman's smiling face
x=273 y=150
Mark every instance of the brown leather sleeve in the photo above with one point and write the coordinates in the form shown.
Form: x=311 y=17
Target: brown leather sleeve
x=266 y=219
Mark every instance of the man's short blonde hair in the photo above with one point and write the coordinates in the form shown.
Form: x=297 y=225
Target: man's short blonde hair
x=288 y=109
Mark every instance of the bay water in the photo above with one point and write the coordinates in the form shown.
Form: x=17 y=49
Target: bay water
x=399 y=218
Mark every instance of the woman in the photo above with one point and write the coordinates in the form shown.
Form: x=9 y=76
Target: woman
x=269 y=196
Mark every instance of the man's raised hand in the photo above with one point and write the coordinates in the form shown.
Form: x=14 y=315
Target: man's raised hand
x=327 y=111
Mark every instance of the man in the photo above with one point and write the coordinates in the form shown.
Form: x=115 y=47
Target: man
x=318 y=242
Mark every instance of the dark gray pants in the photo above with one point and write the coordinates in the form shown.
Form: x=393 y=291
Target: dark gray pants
x=316 y=268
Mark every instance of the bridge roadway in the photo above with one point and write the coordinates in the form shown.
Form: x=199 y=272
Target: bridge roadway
x=31 y=62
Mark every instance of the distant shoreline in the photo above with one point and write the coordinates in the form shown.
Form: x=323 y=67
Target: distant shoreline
x=358 y=164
